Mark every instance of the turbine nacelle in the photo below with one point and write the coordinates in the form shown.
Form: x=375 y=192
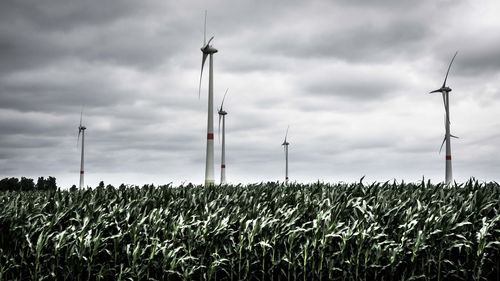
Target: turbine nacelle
x=285 y=143
x=442 y=89
x=209 y=49
x=222 y=112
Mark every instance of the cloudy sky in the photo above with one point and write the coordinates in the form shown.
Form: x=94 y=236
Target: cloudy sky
x=351 y=78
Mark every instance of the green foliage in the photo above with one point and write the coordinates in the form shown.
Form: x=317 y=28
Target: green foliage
x=380 y=231
x=26 y=184
x=10 y=184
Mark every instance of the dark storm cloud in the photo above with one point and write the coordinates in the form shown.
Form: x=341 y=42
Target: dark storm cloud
x=366 y=85
x=64 y=15
x=32 y=32
x=147 y=142
x=357 y=44
x=16 y=123
x=363 y=35
x=242 y=62
x=35 y=33
x=61 y=87
x=20 y=141
x=479 y=60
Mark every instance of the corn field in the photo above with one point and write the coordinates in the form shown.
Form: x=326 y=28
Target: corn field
x=380 y=231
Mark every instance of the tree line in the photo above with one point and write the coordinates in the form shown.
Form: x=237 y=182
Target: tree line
x=46 y=184
x=27 y=184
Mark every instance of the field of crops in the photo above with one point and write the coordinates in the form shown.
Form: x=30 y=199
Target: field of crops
x=382 y=231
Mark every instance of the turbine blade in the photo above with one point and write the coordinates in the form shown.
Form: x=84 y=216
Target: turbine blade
x=454 y=136
x=286 y=135
x=435 y=91
x=208 y=43
x=81 y=115
x=222 y=104
x=441 y=148
x=444 y=83
x=218 y=131
x=205 y=30
x=203 y=59
x=78 y=139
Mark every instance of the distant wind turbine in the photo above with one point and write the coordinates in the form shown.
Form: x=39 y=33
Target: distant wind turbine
x=81 y=130
x=285 y=144
x=445 y=91
x=222 y=114
x=207 y=50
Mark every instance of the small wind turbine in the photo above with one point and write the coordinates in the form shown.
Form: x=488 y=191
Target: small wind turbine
x=207 y=49
x=445 y=91
x=81 y=130
x=222 y=114
x=285 y=144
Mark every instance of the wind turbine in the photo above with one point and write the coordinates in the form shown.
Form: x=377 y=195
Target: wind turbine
x=222 y=114
x=285 y=144
x=445 y=91
x=207 y=50
x=81 y=130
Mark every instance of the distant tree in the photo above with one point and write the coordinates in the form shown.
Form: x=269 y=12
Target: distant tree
x=13 y=184
x=122 y=186
x=101 y=184
x=4 y=184
x=50 y=183
x=109 y=186
x=73 y=188
x=40 y=183
x=26 y=184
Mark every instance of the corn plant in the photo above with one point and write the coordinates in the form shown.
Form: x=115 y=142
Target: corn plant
x=267 y=231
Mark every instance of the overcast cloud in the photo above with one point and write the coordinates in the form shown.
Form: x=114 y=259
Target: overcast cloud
x=350 y=77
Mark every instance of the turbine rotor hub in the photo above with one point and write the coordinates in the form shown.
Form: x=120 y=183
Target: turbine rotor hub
x=208 y=49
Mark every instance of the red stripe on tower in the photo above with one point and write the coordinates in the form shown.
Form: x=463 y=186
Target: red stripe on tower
x=210 y=136
x=223 y=166
x=448 y=157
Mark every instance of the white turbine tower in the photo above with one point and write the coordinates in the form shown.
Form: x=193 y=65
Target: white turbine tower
x=285 y=144
x=222 y=115
x=207 y=50
x=81 y=130
x=445 y=91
